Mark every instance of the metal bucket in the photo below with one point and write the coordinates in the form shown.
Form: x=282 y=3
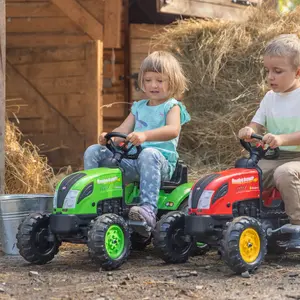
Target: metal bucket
x=13 y=209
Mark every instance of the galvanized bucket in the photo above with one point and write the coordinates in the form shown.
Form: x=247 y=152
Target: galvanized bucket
x=13 y=209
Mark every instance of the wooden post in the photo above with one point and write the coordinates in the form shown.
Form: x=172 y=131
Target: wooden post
x=94 y=98
x=2 y=93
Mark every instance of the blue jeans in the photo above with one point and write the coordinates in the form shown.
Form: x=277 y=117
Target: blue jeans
x=150 y=169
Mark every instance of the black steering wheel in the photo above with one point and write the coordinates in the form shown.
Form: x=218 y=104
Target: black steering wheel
x=122 y=150
x=268 y=153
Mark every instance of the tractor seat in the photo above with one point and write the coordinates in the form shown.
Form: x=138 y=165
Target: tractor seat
x=179 y=177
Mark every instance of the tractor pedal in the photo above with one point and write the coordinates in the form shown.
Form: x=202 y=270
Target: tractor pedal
x=137 y=223
x=140 y=227
x=290 y=228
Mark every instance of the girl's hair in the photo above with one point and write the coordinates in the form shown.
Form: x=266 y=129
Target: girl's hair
x=165 y=63
x=285 y=45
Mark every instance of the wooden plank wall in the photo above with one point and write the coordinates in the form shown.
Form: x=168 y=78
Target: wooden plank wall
x=2 y=95
x=141 y=45
x=47 y=78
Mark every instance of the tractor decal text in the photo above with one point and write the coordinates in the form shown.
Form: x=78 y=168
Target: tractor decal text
x=244 y=180
x=107 y=180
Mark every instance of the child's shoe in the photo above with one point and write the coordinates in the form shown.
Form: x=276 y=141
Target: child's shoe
x=145 y=214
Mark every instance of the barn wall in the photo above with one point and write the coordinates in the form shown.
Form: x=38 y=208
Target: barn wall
x=50 y=78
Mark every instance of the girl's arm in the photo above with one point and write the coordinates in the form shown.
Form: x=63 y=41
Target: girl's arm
x=168 y=132
x=127 y=126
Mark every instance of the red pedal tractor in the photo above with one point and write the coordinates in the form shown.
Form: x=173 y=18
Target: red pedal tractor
x=230 y=211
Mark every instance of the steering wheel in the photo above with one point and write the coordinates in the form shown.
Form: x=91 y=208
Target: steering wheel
x=263 y=153
x=121 y=151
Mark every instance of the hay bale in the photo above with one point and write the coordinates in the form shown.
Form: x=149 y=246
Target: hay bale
x=223 y=62
x=25 y=170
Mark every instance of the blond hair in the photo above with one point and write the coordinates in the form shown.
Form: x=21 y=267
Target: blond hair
x=287 y=45
x=165 y=63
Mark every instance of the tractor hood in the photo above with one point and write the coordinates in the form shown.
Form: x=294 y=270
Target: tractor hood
x=77 y=186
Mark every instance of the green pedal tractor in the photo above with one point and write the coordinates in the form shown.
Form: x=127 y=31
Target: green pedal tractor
x=91 y=207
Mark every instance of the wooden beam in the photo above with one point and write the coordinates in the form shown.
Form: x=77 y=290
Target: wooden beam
x=112 y=23
x=94 y=100
x=44 y=40
x=32 y=9
x=81 y=18
x=221 y=9
x=2 y=94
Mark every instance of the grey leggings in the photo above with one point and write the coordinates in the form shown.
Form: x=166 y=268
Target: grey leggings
x=150 y=169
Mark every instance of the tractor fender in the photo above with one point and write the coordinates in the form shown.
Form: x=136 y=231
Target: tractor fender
x=177 y=196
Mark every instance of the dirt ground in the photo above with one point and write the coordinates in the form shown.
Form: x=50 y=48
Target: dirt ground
x=71 y=275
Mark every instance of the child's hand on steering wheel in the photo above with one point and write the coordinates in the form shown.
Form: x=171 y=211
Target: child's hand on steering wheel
x=245 y=134
x=103 y=141
x=136 y=138
x=273 y=140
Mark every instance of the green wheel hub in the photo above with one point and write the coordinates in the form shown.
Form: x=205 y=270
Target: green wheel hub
x=114 y=241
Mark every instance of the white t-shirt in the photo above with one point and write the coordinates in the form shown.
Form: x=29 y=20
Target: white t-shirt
x=279 y=113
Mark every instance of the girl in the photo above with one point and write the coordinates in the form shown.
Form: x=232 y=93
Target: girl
x=154 y=123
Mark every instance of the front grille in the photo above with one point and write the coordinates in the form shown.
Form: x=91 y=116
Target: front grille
x=109 y=206
x=65 y=186
x=200 y=186
x=86 y=192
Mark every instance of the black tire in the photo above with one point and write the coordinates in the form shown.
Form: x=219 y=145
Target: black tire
x=139 y=242
x=32 y=239
x=168 y=238
x=198 y=249
x=273 y=248
x=97 y=238
x=184 y=206
x=244 y=236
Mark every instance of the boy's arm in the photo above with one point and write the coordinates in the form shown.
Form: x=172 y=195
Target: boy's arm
x=258 y=128
x=291 y=139
x=246 y=132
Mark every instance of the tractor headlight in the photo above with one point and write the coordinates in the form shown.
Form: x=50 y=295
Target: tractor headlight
x=70 y=200
x=205 y=199
x=55 y=199
x=190 y=200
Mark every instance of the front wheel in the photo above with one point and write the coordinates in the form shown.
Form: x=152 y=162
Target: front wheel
x=109 y=241
x=198 y=248
x=33 y=240
x=244 y=244
x=169 y=238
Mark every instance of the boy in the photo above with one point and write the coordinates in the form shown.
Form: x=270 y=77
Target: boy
x=279 y=115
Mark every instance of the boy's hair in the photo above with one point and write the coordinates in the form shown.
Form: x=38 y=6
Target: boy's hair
x=285 y=45
x=165 y=63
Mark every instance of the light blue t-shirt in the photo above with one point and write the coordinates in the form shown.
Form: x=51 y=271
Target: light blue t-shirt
x=152 y=117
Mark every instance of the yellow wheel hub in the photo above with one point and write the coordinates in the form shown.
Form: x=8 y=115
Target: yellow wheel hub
x=249 y=245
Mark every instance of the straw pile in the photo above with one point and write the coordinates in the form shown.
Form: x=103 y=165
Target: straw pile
x=25 y=170
x=223 y=61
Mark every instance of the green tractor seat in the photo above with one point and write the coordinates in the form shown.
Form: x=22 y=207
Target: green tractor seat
x=180 y=176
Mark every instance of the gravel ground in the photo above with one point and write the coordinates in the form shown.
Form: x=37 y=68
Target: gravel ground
x=71 y=275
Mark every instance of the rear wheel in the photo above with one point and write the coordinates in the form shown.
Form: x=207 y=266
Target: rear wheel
x=33 y=239
x=169 y=238
x=109 y=241
x=244 y=244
